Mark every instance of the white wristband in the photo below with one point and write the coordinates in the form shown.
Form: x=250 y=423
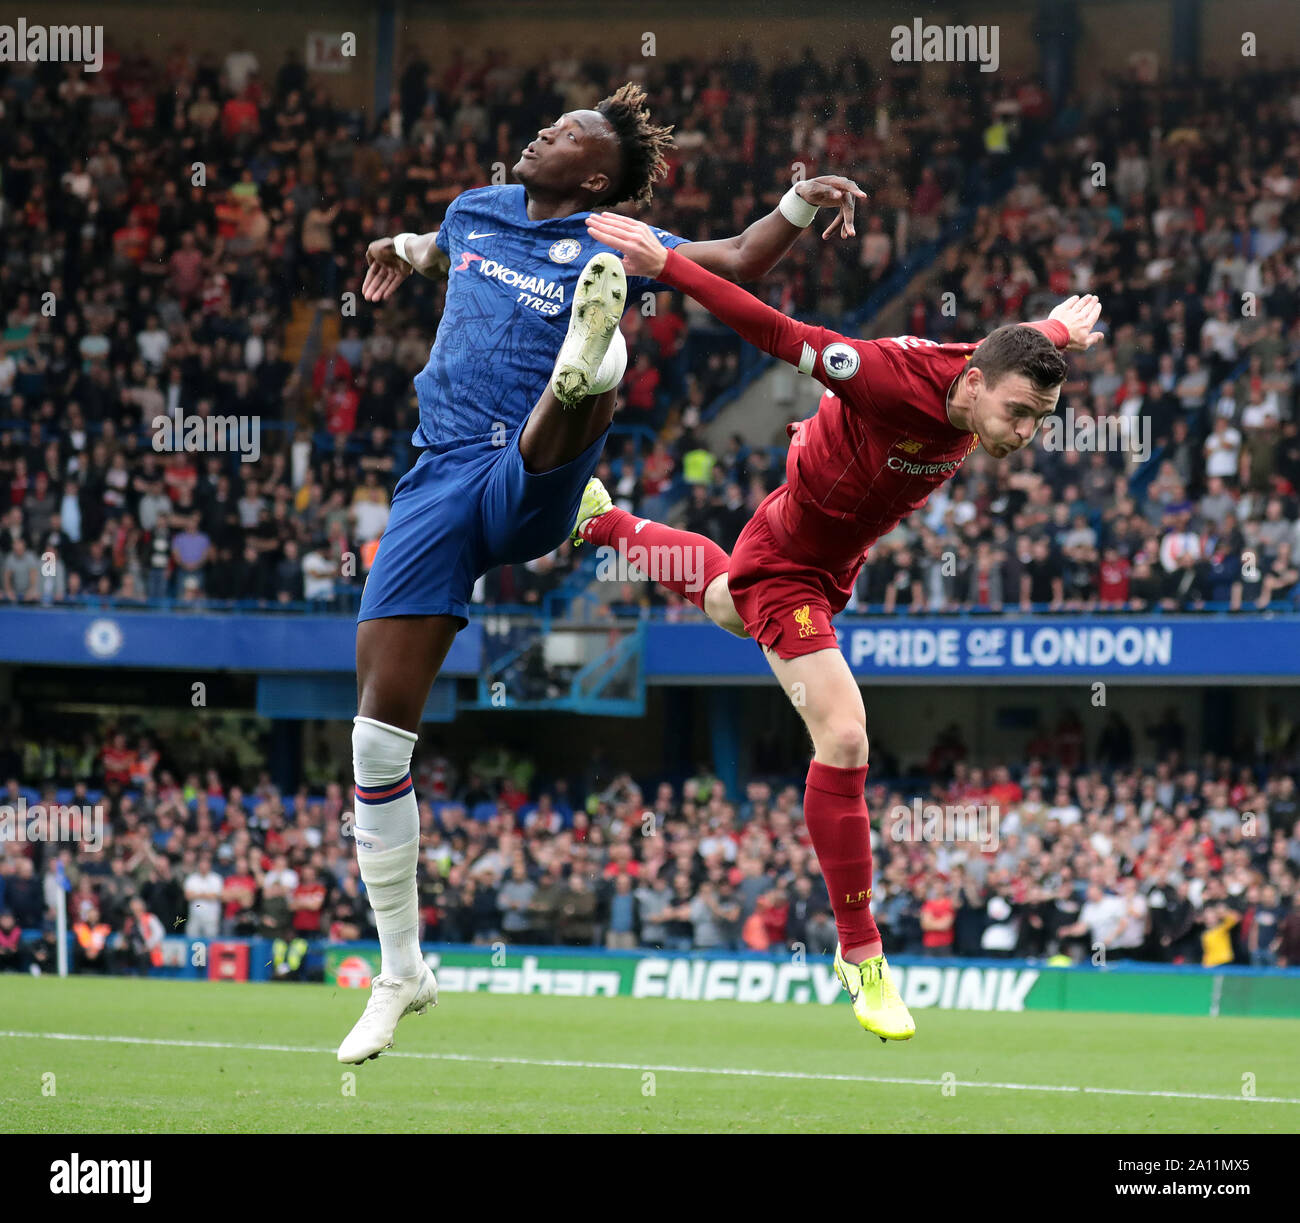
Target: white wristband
x=399 y=245
x=797 y=210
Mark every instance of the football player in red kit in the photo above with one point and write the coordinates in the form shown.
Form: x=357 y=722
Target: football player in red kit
x=898 y=419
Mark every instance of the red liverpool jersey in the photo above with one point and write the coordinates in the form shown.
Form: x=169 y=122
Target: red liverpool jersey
x=880 y=442
x=878 y=446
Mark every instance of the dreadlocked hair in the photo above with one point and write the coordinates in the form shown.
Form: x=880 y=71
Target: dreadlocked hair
x=642 y=144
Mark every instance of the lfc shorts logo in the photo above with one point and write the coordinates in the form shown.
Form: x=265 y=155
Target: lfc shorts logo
x=803 y=618
x=850 y=899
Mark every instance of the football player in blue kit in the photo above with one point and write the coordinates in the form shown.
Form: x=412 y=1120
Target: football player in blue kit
x=515 y=403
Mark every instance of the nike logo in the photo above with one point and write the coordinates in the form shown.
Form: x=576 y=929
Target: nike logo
x=643 y=523
x=472 y=235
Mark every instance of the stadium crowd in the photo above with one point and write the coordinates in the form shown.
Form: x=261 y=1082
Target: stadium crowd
x=1078 y=855
x=1172 y=478
x=164 y=222
x=133 y=288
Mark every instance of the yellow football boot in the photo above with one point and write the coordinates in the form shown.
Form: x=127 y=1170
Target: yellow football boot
x=875 y=999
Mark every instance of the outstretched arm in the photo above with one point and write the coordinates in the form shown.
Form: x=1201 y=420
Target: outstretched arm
x=763 y=244
x=797 y=343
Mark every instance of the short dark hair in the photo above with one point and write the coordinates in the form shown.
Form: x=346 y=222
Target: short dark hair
x=642 y=144
x=1017 y=349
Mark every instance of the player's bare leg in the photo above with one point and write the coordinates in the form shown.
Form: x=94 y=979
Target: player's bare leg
x=830 y=702
x=720 y=608
x=398 y=658
x=555 y=434
x=822 y=688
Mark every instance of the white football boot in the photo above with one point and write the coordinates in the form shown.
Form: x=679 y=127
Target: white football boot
x=390 y=999
x=582 y=368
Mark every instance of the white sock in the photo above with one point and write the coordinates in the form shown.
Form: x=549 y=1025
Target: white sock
x=613 y=367
x=387 y=833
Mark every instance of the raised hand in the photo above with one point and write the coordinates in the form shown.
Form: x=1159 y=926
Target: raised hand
x=1079 y=314
x=642 y=253
x=829 y=190
x=385 y=271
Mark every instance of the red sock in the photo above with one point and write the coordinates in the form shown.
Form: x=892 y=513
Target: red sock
x=680 y=561
x=835 y=812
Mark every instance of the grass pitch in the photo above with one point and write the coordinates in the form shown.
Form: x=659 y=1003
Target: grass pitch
x=157 y=1056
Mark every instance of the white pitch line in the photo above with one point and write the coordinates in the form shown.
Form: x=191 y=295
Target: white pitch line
x=733 y=1072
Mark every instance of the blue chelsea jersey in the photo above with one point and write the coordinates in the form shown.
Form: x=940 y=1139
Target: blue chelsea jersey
x=509 y=290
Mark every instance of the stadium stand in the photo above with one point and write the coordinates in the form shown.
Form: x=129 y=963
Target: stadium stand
x=1192 y=244
x=1147 y=853
x=222 y=299
x=132 y=293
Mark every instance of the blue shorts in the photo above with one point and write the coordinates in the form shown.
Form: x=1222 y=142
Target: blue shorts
x=458 y=513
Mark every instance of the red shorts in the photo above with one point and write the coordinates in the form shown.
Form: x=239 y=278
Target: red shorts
x=786 y=603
